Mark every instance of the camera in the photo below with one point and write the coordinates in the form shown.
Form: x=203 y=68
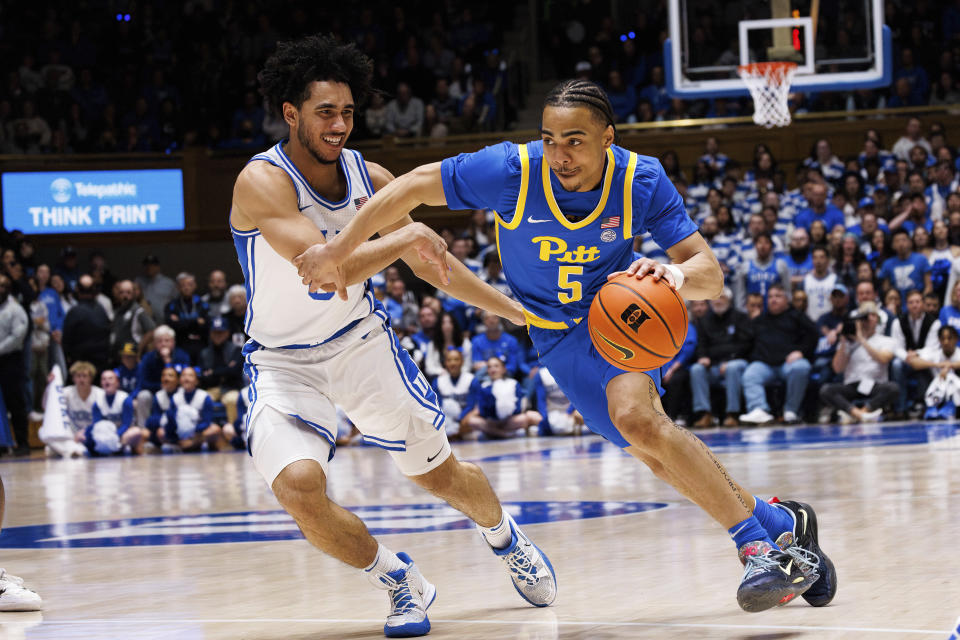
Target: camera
x=849 y=329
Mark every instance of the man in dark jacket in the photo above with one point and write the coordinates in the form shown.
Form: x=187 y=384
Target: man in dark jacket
x=725 y=341
x=165 y=353
x=188 y=315
x=86 y=328
x=221 y=368
x=783 y=342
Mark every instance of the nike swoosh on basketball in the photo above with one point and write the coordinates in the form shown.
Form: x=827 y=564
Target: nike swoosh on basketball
x=625 y=353
x=434 y=456
x=533 y=221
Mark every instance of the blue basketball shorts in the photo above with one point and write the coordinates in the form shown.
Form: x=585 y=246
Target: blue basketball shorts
x=583 y=375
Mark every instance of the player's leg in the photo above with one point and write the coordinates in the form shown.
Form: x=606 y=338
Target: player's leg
x=678 y=457
x=13 y=595
x=464 y=487
x=292 y=455
x=399 y=411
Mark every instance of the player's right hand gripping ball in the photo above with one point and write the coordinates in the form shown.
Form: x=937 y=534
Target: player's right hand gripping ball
x=637 y=325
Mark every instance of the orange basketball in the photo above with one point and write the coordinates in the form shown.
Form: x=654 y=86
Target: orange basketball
x=637 y=325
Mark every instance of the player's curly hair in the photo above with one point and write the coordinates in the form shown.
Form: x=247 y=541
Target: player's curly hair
x=583 y=93
x=287 y=74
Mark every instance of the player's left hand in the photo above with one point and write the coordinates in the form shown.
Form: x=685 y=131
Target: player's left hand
x=647 y=267
x=319 y=268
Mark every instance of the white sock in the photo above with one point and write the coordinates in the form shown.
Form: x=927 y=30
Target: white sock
x=385 y=562
x=499 y=535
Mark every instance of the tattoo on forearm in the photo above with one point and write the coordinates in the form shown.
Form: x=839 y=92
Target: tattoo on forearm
x=655 y=403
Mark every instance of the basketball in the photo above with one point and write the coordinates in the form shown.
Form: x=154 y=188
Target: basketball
x=637 y=325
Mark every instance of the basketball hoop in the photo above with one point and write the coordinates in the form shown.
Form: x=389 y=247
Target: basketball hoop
x=769 y=84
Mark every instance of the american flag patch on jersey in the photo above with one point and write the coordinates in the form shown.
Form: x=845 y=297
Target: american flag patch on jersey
x=359 y=202
x=610 y=223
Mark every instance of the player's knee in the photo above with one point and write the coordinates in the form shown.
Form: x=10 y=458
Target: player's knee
x=640 y=426
x=301 y=487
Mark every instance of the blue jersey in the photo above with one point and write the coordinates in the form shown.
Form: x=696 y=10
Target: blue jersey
x=905 y=274
x=555 y=266
x=760 y=278
x=798 y=268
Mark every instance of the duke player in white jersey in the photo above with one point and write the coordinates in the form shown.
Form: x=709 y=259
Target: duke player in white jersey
x=310 y=349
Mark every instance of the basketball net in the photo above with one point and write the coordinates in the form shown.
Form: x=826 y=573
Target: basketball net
x=769 y=84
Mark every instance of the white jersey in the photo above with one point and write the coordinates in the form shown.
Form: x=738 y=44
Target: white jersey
x=818 y=294
x=281 y=312
x=455 y=395
x=80 y=410
x=112 y=411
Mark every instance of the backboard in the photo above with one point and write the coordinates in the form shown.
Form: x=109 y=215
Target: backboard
x=838 y=45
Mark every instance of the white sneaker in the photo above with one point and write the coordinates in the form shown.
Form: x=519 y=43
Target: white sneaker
x=530 y=570
x=410 y=597
x=872 y=416
x=790 y=417
x=846 y=418
x=824 y=416
x=757 y=416
x=16 y=597
x=35 y=416
x=533 y=431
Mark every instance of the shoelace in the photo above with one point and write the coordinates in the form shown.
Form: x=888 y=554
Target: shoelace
x=758 y=564
x=806 y=560
x=403 y=601
x=522 y=565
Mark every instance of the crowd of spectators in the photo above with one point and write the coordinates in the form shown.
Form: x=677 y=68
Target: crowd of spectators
x=842 y=302
x=158 y=76
x=625 y=55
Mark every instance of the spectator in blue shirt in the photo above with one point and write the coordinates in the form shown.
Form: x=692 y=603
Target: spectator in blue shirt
x=656 y=93
x=914 y=215
x=165 y=354
x=906 y=270
x=128 y=372
x=494 y=343
x=715 y=161
x=819 y=209
x=915 y=76
x=623 y=98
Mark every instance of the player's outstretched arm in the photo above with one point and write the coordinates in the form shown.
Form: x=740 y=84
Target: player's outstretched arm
x=264 y=198
x=389 y=205
x=461 y=283
x=695 y=272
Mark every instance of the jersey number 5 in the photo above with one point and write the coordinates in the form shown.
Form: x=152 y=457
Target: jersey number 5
x=571 y=290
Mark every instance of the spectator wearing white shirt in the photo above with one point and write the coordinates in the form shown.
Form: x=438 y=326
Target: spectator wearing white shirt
x=943 y=361
x=404 y=116
x=912 y=332
x=862 y=357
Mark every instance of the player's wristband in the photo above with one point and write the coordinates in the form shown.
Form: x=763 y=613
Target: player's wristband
x=677 y=274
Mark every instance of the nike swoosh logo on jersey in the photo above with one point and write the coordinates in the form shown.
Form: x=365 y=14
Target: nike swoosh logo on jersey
x=434 y=456
x=304 y=207
x=534 y=221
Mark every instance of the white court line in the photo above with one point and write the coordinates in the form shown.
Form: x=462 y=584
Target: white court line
x=598 y=623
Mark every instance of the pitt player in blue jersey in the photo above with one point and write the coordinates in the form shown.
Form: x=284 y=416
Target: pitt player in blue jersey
x=569 y=206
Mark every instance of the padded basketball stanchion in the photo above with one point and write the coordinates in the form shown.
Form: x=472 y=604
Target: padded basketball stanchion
x=769 y=84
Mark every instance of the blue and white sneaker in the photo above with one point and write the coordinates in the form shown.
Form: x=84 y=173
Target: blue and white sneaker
x=530 y=569
x=410 y=597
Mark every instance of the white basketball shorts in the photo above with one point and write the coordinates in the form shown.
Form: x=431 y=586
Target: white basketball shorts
x=294 y=393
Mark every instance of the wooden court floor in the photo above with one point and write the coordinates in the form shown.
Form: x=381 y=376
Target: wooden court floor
x=195 y=546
